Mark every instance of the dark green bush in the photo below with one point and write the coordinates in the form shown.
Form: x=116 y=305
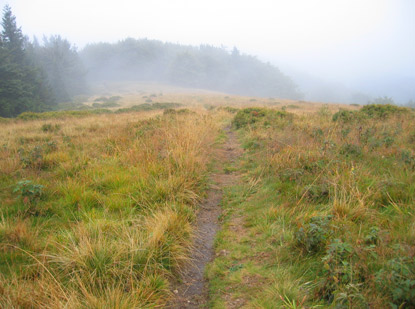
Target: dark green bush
x=407 y=157
x=337 y=267
x=344 y=116
x=182 y=111
x=397 y=279
x=28 y=190
x=253 y=115
x=372 y=237
x=248 y=116
x=312 y=237
x=33 y=158
x=372 y=111
x=381 y=111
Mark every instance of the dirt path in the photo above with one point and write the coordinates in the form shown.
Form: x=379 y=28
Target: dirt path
x=192 y=292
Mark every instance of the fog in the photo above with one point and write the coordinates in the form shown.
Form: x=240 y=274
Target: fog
x=335 y=51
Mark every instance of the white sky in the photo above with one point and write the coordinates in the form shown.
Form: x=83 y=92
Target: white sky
x=339 y=39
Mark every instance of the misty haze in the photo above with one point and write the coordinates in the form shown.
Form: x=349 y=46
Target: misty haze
x=348 y=52
x=207 y=154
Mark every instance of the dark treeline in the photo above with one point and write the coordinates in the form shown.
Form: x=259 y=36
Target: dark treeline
x=35 y=77
x=23 y=85
x=38 y=76
x=204 y=67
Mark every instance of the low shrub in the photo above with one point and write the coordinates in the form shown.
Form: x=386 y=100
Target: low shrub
x=248 y=116
x=344 y=116
x=253 y=115
x=32 y=158
x=28 y=190
x=397 y=279
x=381 y=111
x=371 y=111
x=312 y=237
x=337 y=270
x=372 y=237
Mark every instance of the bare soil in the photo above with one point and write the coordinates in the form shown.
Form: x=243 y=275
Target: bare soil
x=192 y=291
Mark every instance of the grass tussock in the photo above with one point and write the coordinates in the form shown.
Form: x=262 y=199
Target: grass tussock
x=97 y=212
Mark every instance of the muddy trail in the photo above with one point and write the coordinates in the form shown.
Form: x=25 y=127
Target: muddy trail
x=192 y=291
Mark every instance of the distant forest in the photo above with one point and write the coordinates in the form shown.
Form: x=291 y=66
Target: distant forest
x=204 y=67
x=37 y=76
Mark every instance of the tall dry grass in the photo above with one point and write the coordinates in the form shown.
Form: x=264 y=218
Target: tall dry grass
x=113 y=220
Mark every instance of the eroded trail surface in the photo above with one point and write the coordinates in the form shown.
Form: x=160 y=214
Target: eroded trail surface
x=192 y=292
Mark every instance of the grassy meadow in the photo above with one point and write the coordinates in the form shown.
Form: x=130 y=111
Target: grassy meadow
x=97 y=206
x=324 y=213
x=96 y=211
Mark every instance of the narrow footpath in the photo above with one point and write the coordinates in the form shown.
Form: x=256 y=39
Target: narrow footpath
x=192 y=291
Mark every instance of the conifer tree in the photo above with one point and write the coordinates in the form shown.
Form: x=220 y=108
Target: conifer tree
x=63 y=67
x=22 y=85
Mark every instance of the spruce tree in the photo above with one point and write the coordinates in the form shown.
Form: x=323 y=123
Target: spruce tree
x=63 y=67
x=12 y=36
x=22 y=86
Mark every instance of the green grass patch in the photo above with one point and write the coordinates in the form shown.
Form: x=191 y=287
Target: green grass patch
x=325 y=213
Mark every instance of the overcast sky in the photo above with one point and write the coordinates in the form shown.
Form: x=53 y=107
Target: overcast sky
x=340 y=40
